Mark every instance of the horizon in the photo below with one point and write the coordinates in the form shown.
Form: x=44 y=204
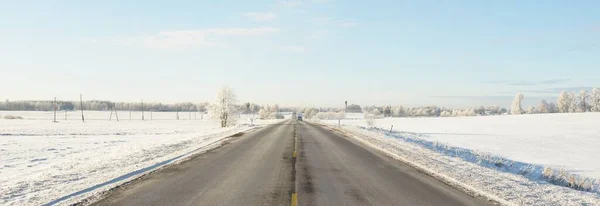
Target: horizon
x=301 y=53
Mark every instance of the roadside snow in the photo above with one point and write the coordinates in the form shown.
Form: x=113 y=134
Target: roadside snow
x=62 y=163
x=514 y=151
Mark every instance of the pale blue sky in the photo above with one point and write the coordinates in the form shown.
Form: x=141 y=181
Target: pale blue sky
x=299 y=53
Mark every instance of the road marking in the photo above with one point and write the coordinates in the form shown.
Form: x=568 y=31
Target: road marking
x=294 y=199
x=295 y=160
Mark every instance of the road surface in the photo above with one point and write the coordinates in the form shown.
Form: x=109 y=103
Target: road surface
x=260 y=169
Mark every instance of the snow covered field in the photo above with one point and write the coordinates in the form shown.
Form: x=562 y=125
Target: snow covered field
x=520 y=148
x=61 y=163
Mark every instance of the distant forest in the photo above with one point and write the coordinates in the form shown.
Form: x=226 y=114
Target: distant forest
x=99 y=105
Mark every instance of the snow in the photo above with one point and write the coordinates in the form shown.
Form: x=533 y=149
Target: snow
x=513 y=150
x=62 y=163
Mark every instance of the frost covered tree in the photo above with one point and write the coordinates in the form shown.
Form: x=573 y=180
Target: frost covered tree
x=531 y=110
x=516 y=108
x=595 y=100
x=310 y=113
x=275 y=108
x=387 y=111
x=564 y=102
x=573 y=103
x=399 y=111
x=376 y=112
x=224 y=108
x=543 y=107
x=446 y=114
x=583 y=101
x=263 y=114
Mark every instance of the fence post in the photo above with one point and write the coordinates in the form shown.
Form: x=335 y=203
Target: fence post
x=54 y=110
x=391 y=128
x=81 y=105
x=142 y=109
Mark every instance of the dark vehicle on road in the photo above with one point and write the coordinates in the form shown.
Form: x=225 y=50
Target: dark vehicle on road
x=299 y=118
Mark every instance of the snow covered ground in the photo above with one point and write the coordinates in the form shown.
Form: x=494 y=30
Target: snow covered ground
x=61 y=163
x=519 y=154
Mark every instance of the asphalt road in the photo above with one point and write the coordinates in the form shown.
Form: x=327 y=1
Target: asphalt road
x=259 y=169
x=335 y=170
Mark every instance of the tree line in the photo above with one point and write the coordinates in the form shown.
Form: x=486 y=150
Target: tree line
x=567 y=102
x=99 y=105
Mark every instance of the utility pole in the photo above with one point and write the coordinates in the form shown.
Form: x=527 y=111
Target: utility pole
x=177 y=109
x=81 y=107
x=54 y=110
x=129 y=111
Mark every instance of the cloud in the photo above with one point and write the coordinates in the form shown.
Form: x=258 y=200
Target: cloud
x=192 y=38
x=325 y=20
x=88 y=40
x=529 y=83
x=261 y=16
x=319 y=34
x=348 y=24
x=321 y=20
x=557 y=90
x=293 y=49
x=291 y=3
x=473 y=97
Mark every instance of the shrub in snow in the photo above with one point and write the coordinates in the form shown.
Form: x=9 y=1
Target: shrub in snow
x=224 y=108
x=370 y=119
x=12 y=117
x=515 y=107
x=565 y=178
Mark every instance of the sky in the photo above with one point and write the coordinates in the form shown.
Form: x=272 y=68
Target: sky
x=300 y=52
